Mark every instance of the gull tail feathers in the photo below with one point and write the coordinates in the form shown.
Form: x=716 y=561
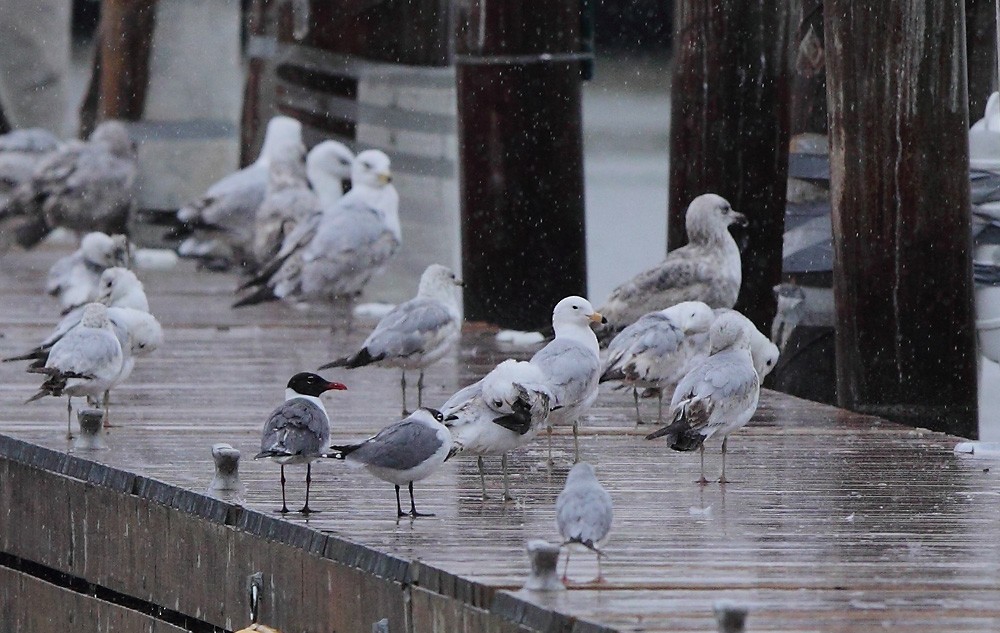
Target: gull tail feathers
x=341 y=451
x=588 y=544
x=359 y=359
x=262 y=295
x=34 y=354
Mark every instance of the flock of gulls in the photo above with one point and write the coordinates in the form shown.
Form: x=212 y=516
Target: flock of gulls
x=313 y=228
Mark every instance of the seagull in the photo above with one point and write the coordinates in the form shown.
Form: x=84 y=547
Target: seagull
x=20 y=153
x=654 y=351
x=403 y=452
x=85 y=362
x=762 y=350
x=328 y=167
x=225 y=212
x=718 y=396
x=332 y=255
x=139 y=334
x=497 y=414
x=706 y=269
x=416 y=333
x=297 y=431
x=73 y=279
x=82 y=186
x=791 y=312
x=584 y=513
x=571 y=363
x=288 y=201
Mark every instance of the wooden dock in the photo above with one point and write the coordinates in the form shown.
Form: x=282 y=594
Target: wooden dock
x=834 y=521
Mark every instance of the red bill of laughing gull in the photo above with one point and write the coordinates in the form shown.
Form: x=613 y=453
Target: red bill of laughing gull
x=298 y=431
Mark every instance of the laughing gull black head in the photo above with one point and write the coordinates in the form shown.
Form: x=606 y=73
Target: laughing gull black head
x=403 y=452
x=299 y=429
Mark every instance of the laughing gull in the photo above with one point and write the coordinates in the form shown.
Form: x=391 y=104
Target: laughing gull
x=330 y=256
x=706 y=269
x=654 y=351
x=416 y=333
x=73 y=279
x=718 y=396
x=85 y=362
x=584 y=513
x=497 y=414
x=82 y=186
x=571 y=364
x=298 y=431
x=403 y=452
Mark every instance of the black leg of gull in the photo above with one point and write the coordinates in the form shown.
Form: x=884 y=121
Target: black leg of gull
x=635 y=397
x=549 y=431
x=107 y=409
x=305 y=509
x=506 y=480
x=284 y=506
x=576 y=441
x=565 y=577
x=402 y=386
x=420 y=389
x=482 y=476
x=659 y=406
x=723 y=479
x=413 y=506
x=702 y=480
x=69 y=417
x=399 y=507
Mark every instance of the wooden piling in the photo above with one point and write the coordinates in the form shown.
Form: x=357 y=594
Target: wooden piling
x=729 y=129
x=122 y=67
x=521 y=157
x=981 y=49
x=900 y=197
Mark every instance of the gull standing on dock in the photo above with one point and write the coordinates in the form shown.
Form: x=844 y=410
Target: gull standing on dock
x=85 y=362
x=763 y=351
x=584 y=513
x=718 y=396
x=332 y=255
x=654 y=351
x=139 y=334
x=74 y=279
x=571 y=363
x=298 y=431
x=403 y=452
x=416 y=333
x=706 y=269
x=497 y=414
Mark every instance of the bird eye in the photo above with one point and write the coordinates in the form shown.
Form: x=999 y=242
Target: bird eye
x=770 y=362
x=498 y=403
x=366 y=165
x=576 y=307
x=439 y=417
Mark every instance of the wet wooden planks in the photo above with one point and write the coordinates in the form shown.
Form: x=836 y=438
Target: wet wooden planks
x=834 y=522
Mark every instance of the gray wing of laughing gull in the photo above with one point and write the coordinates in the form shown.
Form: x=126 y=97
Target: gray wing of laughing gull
x=297 y=428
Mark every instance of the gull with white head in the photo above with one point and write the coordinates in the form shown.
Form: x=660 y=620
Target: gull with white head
x=584 y=513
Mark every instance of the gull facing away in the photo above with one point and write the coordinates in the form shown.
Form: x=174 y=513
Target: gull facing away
x=219 y=223
x=571 y=364
x=330 y=256
x=584 y=513
x=82 y=186
x=74 y=279
x=654 y=351
x=415 y=334
x=706 y=269
x=85 y=362
x=403 y=452
x=718 y=396
x=497 y=414
x=298 y=431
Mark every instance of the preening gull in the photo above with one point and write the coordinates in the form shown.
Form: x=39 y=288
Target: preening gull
x=654 y=352
x=74 y=279
x=82 y=186
x=298 y=431
x=85 y=362
x=706 y=269
x=328 y=167
x=718 y=396
x=403 y=452
x=791 y=312
x=584 y=513
x=219 y=224
x=571 y=363
x=288 y=201
x=416 y=333
x=139 y=334
x=497 y=414
x=762 y=350
x=332 y=255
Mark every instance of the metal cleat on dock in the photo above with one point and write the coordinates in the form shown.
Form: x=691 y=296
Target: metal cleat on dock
x=226 y=484
x=544 y=558
x=91 y=437
x=730 y=617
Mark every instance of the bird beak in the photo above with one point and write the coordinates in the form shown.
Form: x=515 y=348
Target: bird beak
x=459 y=282
x=597 y=317
x=336 y=385
x=385 y=178
x=740 y=219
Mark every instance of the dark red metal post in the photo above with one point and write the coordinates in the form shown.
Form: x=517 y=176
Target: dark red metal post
x=521 y=156
x=729 y=128
x=906 y=344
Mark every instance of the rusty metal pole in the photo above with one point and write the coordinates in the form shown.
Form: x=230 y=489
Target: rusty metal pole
x=521 y=157
x=906 y=345
x=729 y=128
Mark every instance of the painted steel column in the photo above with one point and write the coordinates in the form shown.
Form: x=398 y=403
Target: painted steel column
x=521 y=156
x=906 y=345
x=729 y=128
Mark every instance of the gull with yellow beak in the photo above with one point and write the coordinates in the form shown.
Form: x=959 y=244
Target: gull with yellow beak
x=330 y=256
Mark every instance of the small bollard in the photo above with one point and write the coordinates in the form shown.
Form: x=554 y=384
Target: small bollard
x=730 y=617
x=226 y=484
x=382 y=626
x=91 y=437
x=544 y=558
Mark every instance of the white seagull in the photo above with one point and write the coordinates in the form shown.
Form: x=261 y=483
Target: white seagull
x=706 y=269
x=328 y=167
x=20 y=153
x=416 y=333
x=288 y=201
x=73 y=279
x=583 y=513
x=298 y=431
x=718 y=396
x=139 y=334
x=403 y=452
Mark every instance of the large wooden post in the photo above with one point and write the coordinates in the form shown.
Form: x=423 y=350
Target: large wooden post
x=729 y=128
x=521 y=156
x=900 y=196
x=981 y=48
